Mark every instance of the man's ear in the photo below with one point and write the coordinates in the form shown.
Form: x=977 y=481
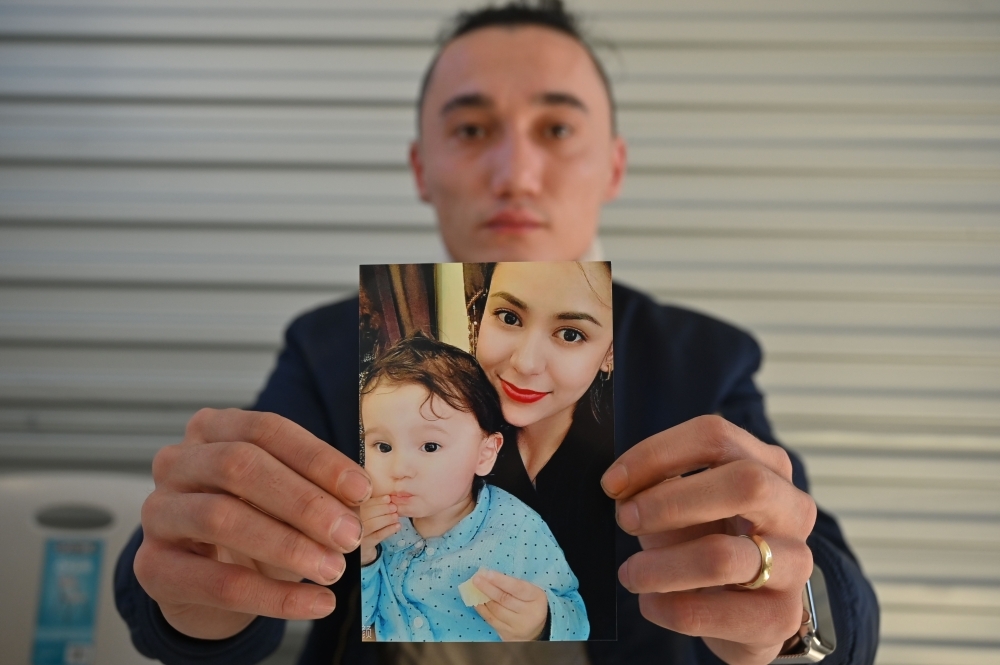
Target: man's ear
x=619 y=160
x=488 y=451
x=417 y=167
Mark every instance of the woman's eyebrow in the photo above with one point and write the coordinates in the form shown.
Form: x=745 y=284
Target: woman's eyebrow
x=513 y=300
x=577 y=316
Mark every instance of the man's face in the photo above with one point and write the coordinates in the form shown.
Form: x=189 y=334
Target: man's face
x=516 y=151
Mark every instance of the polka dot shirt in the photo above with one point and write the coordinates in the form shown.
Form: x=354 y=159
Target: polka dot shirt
x=409 y=593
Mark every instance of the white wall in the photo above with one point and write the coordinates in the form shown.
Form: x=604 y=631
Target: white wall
x=178 y=180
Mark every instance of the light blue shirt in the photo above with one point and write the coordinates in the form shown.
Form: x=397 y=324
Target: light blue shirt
x=410 y=592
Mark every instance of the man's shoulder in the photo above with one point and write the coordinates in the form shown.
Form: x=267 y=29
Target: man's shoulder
x=325 y=323
x=639 y=318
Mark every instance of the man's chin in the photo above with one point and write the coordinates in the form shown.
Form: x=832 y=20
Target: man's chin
x=493 y=247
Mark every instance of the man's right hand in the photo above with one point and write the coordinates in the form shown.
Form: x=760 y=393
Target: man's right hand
x=245 y=507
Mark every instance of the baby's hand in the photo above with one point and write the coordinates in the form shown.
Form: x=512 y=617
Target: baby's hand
x=379 y=520
x=517 y=609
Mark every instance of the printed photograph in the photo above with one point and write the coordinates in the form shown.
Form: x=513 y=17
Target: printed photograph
x=486 y=420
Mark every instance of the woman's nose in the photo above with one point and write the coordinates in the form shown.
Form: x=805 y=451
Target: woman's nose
x=529 y=355
x=516 y=166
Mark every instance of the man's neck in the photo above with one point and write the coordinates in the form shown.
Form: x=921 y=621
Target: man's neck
x=440 y=523
x=594 y=253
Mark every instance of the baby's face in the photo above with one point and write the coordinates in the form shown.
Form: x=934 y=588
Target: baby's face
x=422 y=452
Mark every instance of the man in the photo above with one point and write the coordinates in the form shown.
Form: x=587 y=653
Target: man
x=517 y=152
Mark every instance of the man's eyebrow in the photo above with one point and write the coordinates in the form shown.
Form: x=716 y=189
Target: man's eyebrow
x=479 y=100
x=513 y=300
x=561 y=99
x=468 y=100
x=577 y=316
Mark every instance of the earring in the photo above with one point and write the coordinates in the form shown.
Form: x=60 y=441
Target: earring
x=474 y=320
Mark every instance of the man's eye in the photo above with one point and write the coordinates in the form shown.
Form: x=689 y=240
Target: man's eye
x=471 y=131
x=430 y=447
x=508 y=317
x=571 y=335
x=560 y=131
x=383 y=447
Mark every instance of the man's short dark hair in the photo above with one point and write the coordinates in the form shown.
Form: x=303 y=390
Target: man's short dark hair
x=545 y=13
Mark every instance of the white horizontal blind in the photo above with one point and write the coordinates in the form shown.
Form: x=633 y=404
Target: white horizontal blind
x=177 y=180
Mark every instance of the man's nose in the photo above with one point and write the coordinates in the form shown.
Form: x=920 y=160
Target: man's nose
x=517 y=166
x=529 y=355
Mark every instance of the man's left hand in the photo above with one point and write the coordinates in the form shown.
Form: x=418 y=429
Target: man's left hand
x=689 y=528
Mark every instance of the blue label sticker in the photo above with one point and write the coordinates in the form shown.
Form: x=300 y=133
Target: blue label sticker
x=67 y=607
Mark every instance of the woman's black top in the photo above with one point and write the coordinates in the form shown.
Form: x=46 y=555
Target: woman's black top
x=567 y=494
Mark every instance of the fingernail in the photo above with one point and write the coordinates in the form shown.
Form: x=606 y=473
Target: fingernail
x=354 y=486
x=615 y=480
x=331 y=566
x=623 y=575
x=628 y=516
x=346 y=532
x=323 y=604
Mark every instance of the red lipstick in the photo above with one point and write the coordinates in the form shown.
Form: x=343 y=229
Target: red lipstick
x=520 y=394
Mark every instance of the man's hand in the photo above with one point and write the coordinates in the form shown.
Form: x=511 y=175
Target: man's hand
x=246 y=506
x=689 y=526
x=379 y=520
x=517 y=609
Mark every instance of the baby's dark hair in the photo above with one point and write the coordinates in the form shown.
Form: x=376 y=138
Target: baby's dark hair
x=447 y=373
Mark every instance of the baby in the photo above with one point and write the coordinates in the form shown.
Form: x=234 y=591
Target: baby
x=431 y=425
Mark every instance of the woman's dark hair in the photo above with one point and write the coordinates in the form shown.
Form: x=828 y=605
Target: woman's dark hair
x=447 y=373
x=545 y=13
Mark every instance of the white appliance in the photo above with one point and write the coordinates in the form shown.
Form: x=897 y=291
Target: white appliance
x=60 y=536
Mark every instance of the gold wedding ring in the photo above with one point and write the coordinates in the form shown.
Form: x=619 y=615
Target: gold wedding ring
x=766 y=560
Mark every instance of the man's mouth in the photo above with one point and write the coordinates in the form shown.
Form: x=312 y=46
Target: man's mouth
x=522 y=395
x=514 y=221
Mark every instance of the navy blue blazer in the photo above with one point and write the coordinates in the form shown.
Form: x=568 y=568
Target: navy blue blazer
x=671 y=365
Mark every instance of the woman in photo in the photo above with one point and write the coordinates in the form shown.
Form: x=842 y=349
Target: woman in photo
x=543 y=335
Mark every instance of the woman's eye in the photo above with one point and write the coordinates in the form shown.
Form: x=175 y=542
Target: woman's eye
x=509 y=318
x=570 y=335
x=430 y=447
x=383 y=447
